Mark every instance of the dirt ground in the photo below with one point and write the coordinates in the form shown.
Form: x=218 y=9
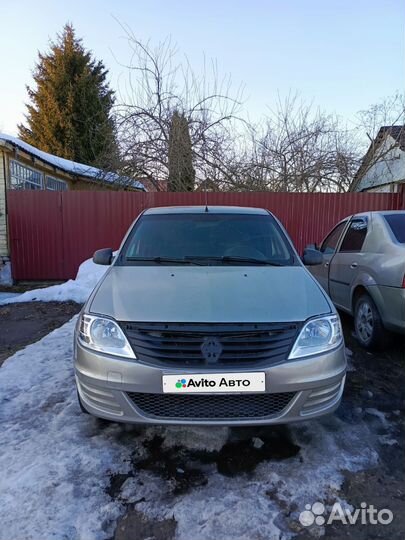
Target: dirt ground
x=27 y=322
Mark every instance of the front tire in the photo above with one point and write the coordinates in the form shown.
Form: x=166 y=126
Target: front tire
x=367 y=323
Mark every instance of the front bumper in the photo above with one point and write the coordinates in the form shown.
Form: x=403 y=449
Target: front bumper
x=106 y=385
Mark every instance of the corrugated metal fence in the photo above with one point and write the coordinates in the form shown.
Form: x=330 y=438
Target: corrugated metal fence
x=51 y=233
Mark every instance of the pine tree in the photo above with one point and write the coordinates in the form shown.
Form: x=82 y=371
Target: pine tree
x=70 y=110
x=181 y=171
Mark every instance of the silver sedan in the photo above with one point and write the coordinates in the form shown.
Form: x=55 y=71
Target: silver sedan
x=363 y=271
x=208 y=316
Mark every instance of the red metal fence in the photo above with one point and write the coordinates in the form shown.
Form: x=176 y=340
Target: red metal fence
x=51 y=233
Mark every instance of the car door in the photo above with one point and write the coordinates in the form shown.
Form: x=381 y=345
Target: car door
x=346 y=263
x=328 y=249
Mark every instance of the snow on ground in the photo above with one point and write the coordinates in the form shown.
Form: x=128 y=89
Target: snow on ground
x=56 y=464
x=4 y=295
x=77 y=290
x=54 y=461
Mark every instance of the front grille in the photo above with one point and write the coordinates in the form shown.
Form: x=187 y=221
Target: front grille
x=209 y=407
x=182 y=344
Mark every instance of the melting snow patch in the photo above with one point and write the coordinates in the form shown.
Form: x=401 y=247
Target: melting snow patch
x=265 y=503
x=378 y=414
x=76 y=290
x=257 y=442
x=191 y=437
x=387 y=440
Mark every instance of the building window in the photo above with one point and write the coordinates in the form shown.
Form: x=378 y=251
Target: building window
x=54 y=184
x=23 y=177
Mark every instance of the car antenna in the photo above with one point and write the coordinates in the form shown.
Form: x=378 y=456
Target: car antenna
x=206 y=196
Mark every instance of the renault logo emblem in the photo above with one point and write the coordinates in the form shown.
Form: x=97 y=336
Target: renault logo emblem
x=211 y=349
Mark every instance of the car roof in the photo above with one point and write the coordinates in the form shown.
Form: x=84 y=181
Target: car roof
x=388 y=212
x=212 y=209
x=373 y=213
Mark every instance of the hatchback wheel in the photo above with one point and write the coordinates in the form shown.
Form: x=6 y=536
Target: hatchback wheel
x=367 y=322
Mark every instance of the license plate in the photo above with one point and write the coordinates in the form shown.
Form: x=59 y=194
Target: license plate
x=213 y=383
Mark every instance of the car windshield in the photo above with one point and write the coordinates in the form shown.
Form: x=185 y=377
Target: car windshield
x=207 y=239
x=397 y=225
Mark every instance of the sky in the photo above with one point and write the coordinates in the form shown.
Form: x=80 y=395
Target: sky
x=342 y=55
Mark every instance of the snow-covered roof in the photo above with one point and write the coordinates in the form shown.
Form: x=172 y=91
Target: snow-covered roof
x=383 y=174
x=71 y=167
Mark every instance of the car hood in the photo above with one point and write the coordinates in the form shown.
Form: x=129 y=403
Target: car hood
x=209 y=294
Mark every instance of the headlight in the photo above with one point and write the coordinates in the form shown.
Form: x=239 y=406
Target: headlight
x=104 y=335
x=317 y=336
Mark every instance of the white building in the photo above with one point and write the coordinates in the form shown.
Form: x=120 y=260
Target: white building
x=383 y=166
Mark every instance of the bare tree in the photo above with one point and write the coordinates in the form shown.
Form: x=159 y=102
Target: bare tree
x=390 y=111
x=297 y=148
x=158 y=85
x=381 y=127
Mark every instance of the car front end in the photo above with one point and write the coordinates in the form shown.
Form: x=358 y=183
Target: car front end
x=133 y=389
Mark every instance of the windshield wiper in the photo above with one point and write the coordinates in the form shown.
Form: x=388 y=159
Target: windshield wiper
x=250 y=260
x=198 y=260
x=162 y=260
x=230 y=259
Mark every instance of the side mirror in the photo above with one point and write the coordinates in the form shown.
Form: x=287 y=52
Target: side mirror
x=312 y=257
x=312 y=246
x=103 y=256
